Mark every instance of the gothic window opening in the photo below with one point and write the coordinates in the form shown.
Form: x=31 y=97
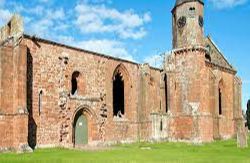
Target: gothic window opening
x=220 y=96
x=166 y=91
x=118 y=95
x=40 y=102
x=74 y=82
x=220 y=102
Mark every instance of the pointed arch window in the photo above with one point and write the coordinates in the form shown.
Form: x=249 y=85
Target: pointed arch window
x=121 y=91
x=118 y=95
x=74 y=82
x=220 y=102
x=166 y=91
x=220 y=97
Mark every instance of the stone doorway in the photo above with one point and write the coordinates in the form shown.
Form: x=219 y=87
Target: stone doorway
x=80 y=129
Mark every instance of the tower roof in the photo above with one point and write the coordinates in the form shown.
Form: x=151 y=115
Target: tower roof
x=179 y=2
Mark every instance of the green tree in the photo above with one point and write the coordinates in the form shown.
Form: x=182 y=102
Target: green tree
x=248 y=114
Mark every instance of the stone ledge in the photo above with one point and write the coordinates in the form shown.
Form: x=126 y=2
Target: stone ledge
x=85 y=98
x=12 y=114
x=192 y=48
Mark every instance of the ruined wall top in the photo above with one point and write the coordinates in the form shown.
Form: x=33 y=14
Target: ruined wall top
x=14 y=28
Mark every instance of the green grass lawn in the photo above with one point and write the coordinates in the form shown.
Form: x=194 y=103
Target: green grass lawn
x=221 y=151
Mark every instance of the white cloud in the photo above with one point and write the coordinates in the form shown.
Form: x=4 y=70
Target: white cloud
x=41 y=27
x=246 y=81
x=220 y=4
x=104 y=46
x=55 y=14
x=108 y=47
x=5 y=15
x=38 y=10
x=99 y=19
x=154 y=60
x=47 y=22
x=93 y=16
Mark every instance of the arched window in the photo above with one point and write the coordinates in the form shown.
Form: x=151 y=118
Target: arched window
x=220 y=96
x=74 y=84
x=166 y=91
x=121 y=91
x=118 y=95
x=220 y=102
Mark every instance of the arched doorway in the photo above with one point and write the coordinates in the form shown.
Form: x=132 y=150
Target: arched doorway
x=80 y=129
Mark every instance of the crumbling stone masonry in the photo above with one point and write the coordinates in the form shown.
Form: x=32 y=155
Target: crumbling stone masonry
x=52 y=94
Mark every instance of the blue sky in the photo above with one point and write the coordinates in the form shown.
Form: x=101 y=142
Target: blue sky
x=138 y=30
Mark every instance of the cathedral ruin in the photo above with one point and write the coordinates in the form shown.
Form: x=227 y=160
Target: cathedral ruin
x=52 y=94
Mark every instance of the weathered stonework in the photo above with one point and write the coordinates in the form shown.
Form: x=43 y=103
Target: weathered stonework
x=46 y=86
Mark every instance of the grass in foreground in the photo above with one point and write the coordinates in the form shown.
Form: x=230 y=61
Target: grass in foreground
x=221 y=151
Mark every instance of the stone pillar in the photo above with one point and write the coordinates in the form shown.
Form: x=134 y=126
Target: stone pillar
x=242 y=134
x=20 y=121
x=143 y=106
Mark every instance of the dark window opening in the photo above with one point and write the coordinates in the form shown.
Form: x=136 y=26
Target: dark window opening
x=220 y=102
x=118 y=95
x=208 y=53
x=161 y=126
x=74 y=85
x=192 y=9
x=9 y=28
x=208 y=57
x=40 y=102
x=166 y=91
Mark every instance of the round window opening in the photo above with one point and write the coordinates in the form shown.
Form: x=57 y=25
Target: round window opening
x=182 y=22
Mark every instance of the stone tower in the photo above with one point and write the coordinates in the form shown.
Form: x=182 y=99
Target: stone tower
x=187 y=23
x=186 y=73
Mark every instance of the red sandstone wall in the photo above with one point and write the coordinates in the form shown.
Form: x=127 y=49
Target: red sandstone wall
x=13 y=110
x=54 y=126
x=194 y=85
x=6 y=141
x=222 y=124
